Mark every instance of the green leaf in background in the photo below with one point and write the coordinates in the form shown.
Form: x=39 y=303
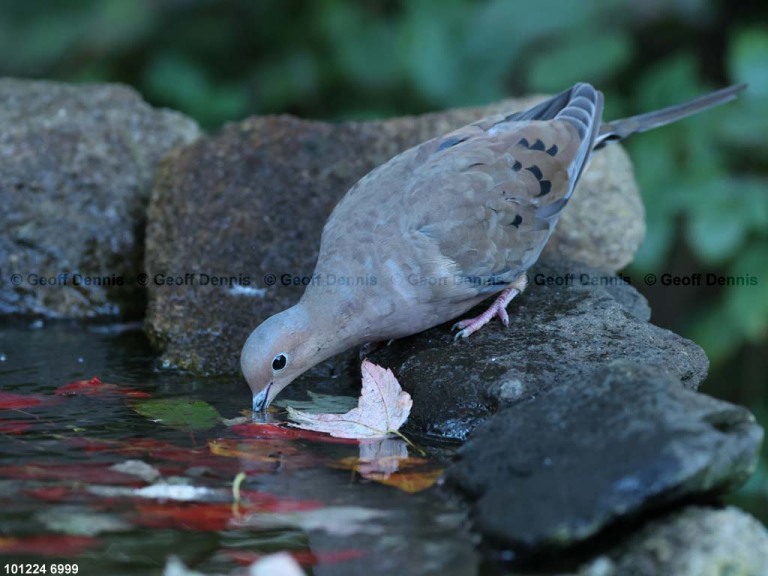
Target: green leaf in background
x=182 y=413
x=584 y=56
x=748 y=62
x=748 y=304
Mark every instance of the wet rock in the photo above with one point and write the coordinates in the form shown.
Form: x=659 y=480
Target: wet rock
x=555 y=469
x=247 y=207
x=571 y=320
x=76 y=165
x=696 y=541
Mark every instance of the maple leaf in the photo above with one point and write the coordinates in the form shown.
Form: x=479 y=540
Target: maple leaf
x=383 y=407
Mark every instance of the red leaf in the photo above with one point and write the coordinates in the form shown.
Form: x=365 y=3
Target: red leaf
x=214 y=516
x=59 y=545
x=269 y=431
x=14 y=426
x=83 y=472
x=10 y=401
x=95 y=387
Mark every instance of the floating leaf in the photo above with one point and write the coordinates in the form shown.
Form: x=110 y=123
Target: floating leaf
x=335 y=520
x=267 y=431
x=95 y=387
x=11 y=401
x=14 y=426
x=55 y=545
x=382 y=409
x=181 y=413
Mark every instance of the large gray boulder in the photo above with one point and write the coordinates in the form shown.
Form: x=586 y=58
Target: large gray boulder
x=76 y=167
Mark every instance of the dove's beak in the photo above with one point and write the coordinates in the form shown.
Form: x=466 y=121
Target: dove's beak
x=261 y=400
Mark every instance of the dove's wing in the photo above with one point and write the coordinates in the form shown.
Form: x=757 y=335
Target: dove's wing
x=491 y=193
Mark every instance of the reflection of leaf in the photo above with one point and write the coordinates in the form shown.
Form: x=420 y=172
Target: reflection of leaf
x=179 y=413
x=386 y=461
x=320 y=403
x=383 y=408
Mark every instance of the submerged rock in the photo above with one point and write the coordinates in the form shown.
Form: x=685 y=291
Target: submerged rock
x=76 y=166
x=247 y=207
x=555 y=469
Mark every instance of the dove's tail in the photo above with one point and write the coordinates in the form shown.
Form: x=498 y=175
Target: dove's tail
x=620 y=129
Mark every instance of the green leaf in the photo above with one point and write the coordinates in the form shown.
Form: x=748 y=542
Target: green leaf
x=748 y=62
x=182 y=413
x=578 y=57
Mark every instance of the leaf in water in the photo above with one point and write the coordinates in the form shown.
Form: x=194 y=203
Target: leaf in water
x=14 y=426
x=321 y=403
x=56 y=545
x=182 y=413
x=138 y=468
x=410 y=482
x=383 y=407
x=281 y=563
x=258 y=450
x=80 y=521
x=334 y=520
x=266 y=431
x=11 y=401
x=303 y=557
x=95 y=387
x=83 y=472
x=387 y=462
x=265 y=456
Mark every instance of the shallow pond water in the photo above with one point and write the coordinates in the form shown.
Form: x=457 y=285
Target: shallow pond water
x=89 y=477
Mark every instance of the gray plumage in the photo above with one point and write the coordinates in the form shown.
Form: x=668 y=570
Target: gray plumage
x=428 y=235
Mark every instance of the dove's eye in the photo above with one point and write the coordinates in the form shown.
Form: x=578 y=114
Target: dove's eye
x=279 y=362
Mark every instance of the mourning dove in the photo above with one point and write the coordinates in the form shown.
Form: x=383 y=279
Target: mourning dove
x=440 y=227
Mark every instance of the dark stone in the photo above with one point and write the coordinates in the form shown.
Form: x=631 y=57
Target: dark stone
x=76 y=166
x=557 y=334
x=251 y=201
x=558 y=467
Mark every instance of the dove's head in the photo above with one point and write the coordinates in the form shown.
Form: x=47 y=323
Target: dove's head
x=277 y=352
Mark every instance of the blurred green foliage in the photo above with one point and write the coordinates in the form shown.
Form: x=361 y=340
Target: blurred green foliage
x=704 y=180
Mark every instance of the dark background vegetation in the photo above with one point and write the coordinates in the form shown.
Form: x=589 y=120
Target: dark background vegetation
x=703 y=180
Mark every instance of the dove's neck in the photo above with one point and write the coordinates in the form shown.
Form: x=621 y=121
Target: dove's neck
x=327 y=332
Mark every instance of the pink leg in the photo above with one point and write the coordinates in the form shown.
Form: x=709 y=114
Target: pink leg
x=499 y=308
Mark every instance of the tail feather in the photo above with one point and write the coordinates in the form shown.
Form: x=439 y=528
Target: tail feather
x=620 y=129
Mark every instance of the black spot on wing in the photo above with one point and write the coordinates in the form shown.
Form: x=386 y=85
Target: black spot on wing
x=538 y=145
x=553 y=150
x=450 y=142
x=517 y=166
x=524 y=143
x=517 y=221
x=545 y=186
x=536 y=171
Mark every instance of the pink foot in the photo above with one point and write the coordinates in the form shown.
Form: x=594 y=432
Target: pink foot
x=499 y=308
